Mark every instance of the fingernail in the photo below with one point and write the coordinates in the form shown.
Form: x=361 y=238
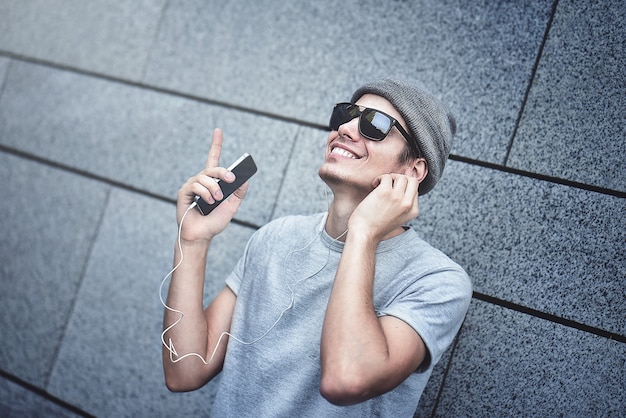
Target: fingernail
x=229 y=176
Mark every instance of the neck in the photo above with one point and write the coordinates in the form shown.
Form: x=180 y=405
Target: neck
x=338 y=217
x=339 y=213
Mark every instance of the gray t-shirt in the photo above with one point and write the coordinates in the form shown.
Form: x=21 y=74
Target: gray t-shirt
x=274 y=368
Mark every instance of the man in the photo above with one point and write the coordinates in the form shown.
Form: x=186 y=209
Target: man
x=337 y=314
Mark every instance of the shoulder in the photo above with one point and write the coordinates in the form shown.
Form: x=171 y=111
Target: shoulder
x=415 y=250
x=429 y=264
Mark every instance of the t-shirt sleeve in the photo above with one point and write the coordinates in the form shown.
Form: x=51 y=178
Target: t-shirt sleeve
x=233 y=281
x=435 y=307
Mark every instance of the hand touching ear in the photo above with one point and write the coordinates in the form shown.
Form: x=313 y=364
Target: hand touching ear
x=391 y=204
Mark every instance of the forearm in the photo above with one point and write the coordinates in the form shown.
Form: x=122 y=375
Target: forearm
x=189 y=335
x=353 y=345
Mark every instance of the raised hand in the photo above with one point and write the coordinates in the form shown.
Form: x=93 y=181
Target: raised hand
x=204 y=184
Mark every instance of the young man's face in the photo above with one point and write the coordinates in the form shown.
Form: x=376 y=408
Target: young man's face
x=354 y=161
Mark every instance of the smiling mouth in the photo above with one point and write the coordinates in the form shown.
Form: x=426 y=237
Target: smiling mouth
x=344 y=153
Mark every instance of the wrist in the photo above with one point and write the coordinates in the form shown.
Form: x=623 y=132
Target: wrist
x=363 y=238
x=197 y=246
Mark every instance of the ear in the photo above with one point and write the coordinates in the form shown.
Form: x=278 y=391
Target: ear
x=418 y=168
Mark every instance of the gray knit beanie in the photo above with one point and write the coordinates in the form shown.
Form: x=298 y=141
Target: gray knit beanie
x=428 y=120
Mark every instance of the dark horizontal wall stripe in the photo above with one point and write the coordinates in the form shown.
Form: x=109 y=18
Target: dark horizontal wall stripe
x=156 y=89
x=541 y=177
x=102 y=179
x=550 y=317
x=40 y=392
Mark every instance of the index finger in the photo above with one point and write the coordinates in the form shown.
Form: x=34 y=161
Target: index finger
x=383 y=178
x=216 y=149
x=407 y=184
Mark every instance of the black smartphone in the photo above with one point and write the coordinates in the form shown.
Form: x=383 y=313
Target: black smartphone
x=243 y=169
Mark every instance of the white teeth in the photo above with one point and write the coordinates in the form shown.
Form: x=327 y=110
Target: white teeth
x=343 y=153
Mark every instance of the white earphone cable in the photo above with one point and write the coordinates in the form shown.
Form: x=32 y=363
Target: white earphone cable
x=170 y=346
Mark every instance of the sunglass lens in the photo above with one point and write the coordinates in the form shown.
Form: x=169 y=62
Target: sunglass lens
x=343 y=113
x=375 y=125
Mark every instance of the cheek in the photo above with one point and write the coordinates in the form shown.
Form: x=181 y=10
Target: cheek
x=332 y=135
x=388 y=152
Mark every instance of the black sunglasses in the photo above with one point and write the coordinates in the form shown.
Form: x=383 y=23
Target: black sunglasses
x=373 y=124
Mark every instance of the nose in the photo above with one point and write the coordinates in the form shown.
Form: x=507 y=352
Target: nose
x=350 y=130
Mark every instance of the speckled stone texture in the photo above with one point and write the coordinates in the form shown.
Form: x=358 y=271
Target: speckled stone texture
x=574 y=123
x=542 y=245
x=112 y=38
x=17 y=401
x=511 y=364
x=49 y=222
